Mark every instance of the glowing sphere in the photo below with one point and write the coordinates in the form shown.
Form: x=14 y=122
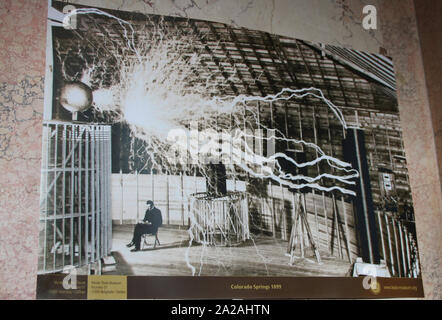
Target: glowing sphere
x=76 y=96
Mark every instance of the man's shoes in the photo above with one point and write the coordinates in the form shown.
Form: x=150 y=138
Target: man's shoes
x=135 y=250
x=130 y=244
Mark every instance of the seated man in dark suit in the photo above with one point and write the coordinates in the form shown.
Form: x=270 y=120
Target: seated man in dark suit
x=152 y=220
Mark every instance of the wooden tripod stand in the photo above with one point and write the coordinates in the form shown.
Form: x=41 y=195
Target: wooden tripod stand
x=297 y=233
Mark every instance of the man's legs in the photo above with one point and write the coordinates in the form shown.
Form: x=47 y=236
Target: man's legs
x=140 y=229
x=136 y=234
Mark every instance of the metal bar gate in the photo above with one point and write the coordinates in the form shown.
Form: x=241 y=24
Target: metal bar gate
x=75 y=204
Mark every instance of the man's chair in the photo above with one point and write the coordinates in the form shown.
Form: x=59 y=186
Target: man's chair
x=144 y=240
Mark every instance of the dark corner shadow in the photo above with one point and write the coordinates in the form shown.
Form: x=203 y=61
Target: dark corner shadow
x=122 y=267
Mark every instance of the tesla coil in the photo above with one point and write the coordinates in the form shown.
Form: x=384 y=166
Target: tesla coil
x=219 y=220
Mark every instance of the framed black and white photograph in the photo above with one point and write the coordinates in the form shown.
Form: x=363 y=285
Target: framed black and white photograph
x=178 y=147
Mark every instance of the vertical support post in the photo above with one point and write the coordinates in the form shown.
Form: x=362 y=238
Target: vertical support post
x=305 y=233
x=272 y=210
x=138 y=200
x=292 y=242
x=189 y=212
x=381 y=233
x=404 y=263
x=300 y=121
x=246 y=216
x=260 y=141
x=390 y=246
x=350 y=259
x=407 y=246
x=167 y=200
x=122 y=197
x=86 y=196
x=399 y=269
x=103 y=193
x=316 y=217
x=355 y=153
x=55 y=195
x=335 y=209
x=72 y=195
x=283 y=216
x=315 y=136
x=63 y=203
x=260 y=152
x=301 y=229
x=93 y=194
x=326 y=220
x=109 y=185
x=107 y=162
x=98 y=193
x=182 y=197
x=80 y=196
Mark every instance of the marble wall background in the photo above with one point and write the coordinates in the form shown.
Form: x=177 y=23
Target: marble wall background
x=22 y=70
x=406 y=39
x=22 y=58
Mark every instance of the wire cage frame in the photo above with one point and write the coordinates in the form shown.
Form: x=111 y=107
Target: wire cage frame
x=219 y=221
x=75 y=196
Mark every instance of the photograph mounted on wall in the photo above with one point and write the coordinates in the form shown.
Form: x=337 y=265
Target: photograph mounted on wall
x=187 y=159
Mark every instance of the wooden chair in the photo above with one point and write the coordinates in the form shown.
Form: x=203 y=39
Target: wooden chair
x=144 y=240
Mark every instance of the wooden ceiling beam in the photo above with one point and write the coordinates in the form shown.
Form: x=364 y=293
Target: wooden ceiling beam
x=214 y=58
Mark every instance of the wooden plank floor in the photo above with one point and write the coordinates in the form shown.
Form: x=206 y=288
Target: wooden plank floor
x=264 y=256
